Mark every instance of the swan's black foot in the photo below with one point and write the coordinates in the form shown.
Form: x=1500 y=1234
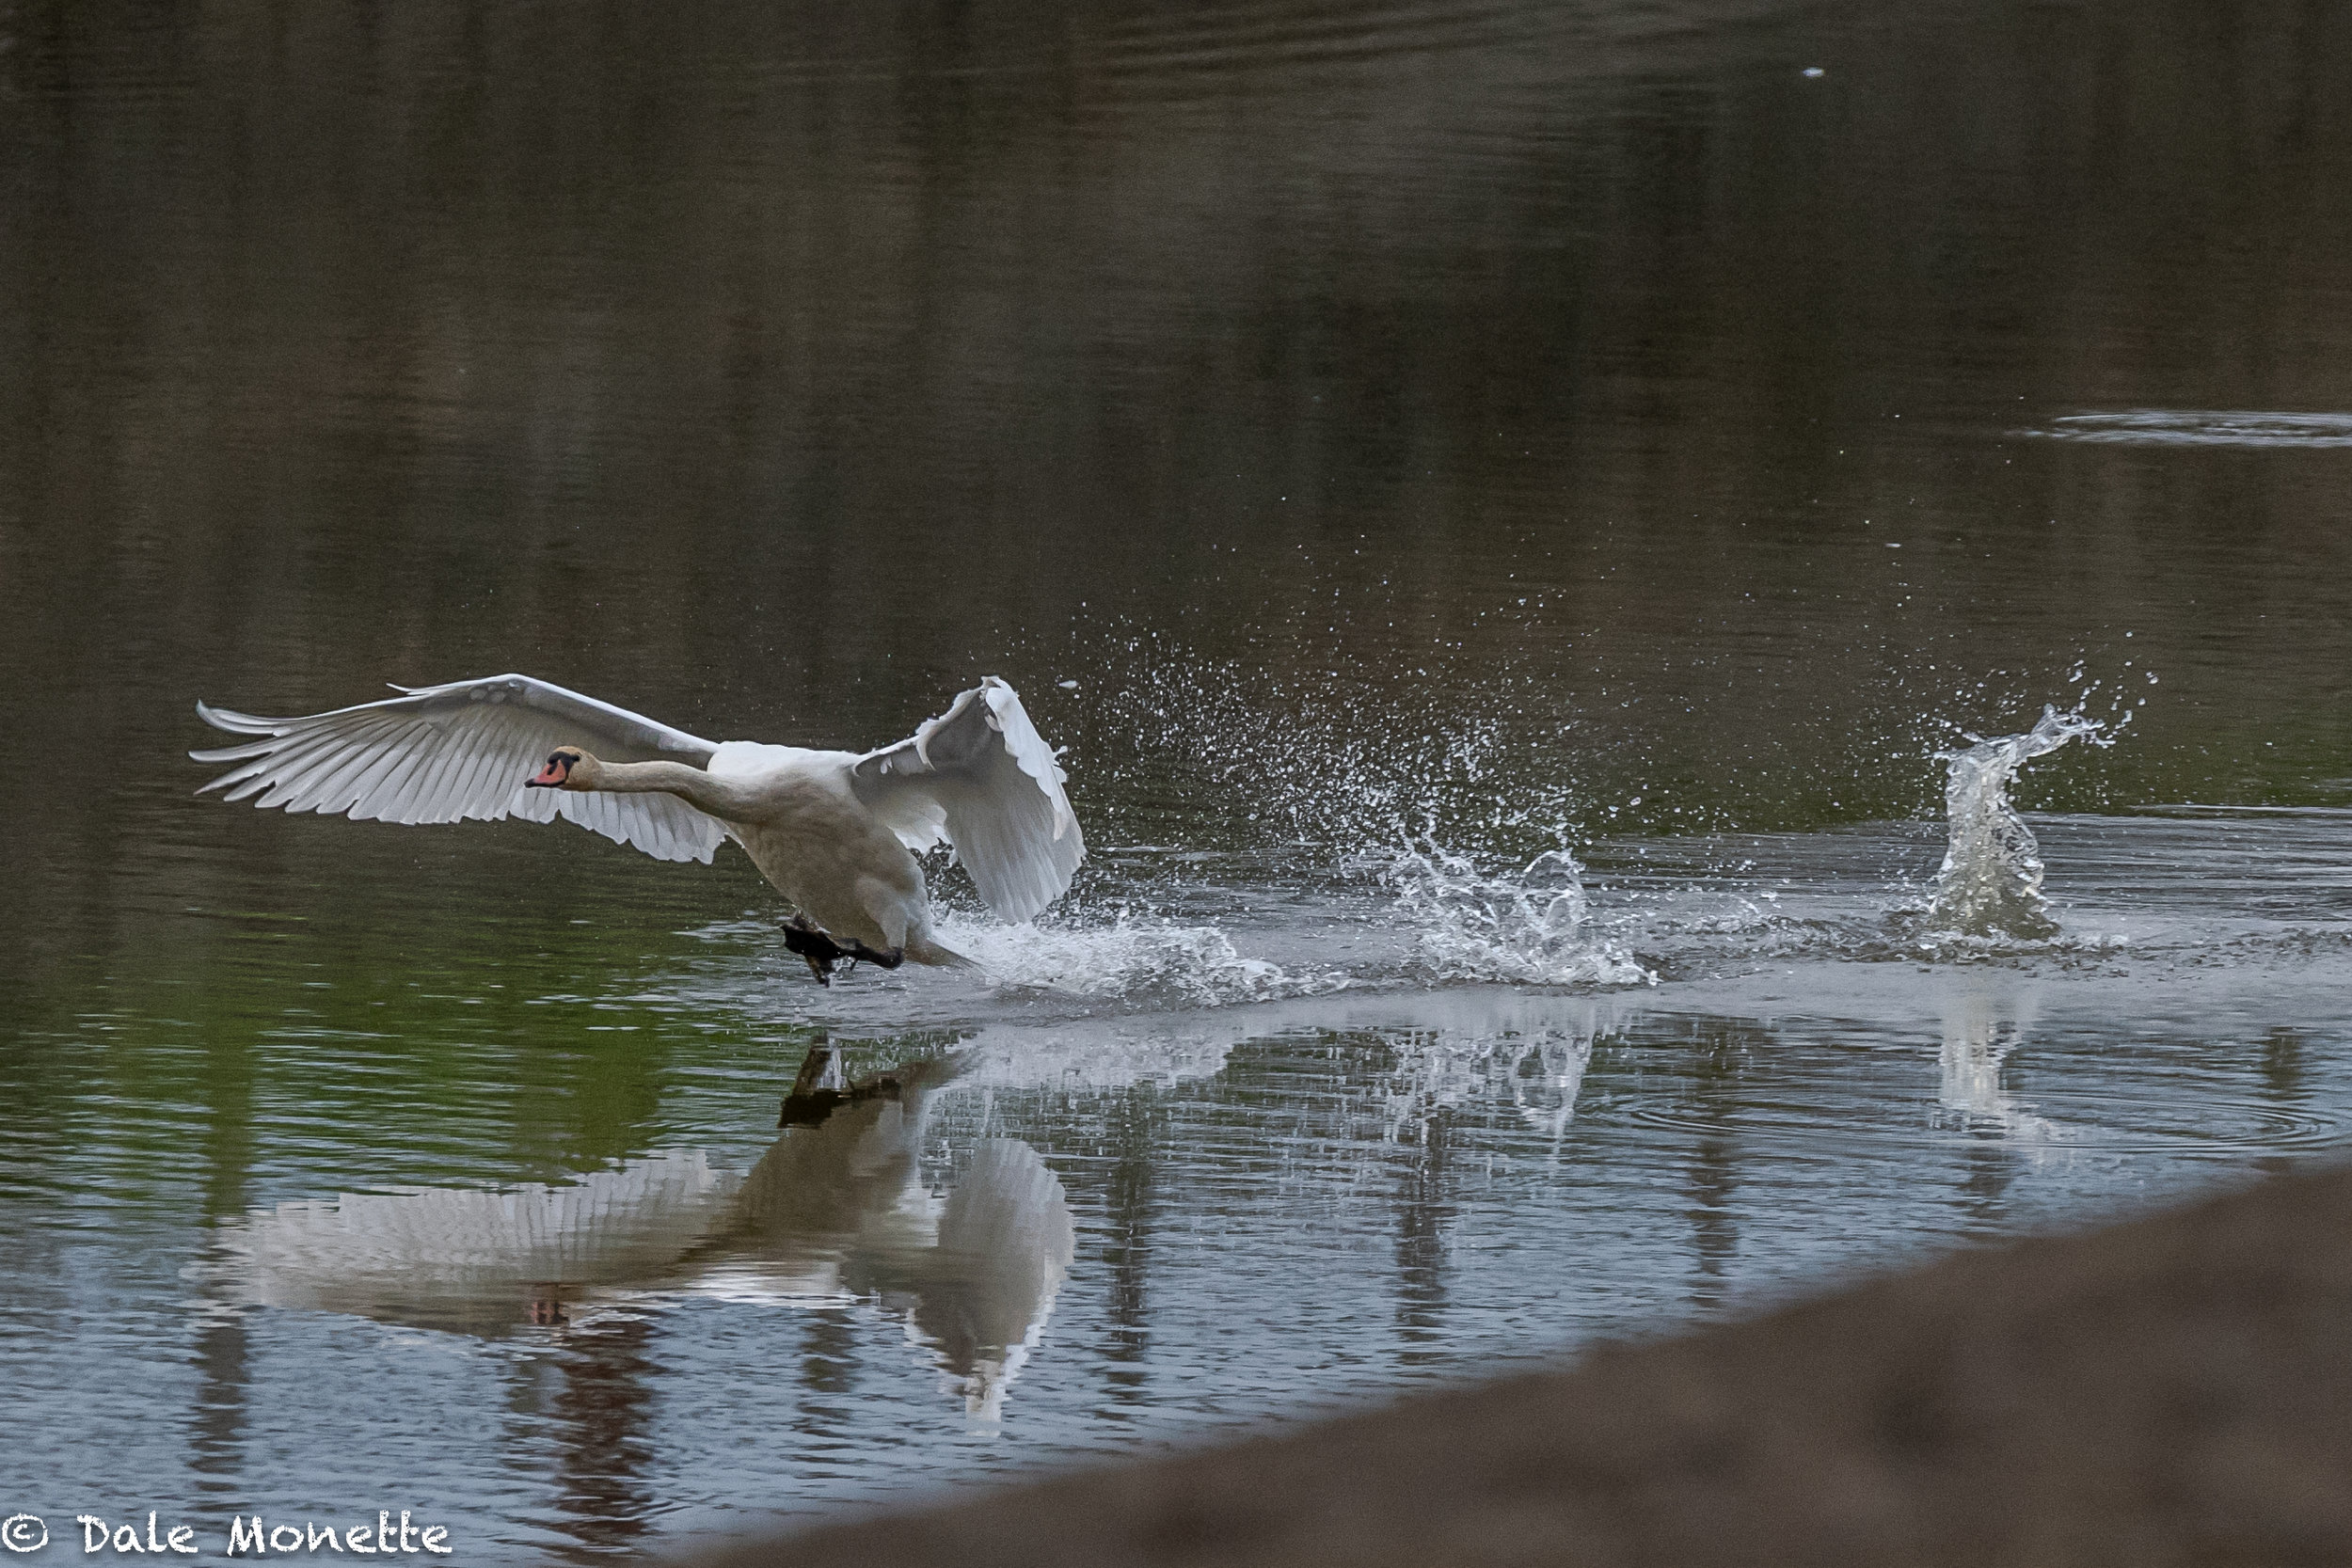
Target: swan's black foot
x=801 y=936
x=823 y=951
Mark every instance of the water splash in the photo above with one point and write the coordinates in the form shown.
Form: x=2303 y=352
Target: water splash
x=1146 y=961
x=1991 y=880
x=1318 y=765
x=1526 y=926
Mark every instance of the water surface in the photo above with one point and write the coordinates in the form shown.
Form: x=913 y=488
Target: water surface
x=1509 y=506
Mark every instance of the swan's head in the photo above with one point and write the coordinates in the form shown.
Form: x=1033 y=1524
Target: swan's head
x=557 y=774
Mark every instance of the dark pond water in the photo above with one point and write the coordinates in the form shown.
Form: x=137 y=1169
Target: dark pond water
x=1388 y=445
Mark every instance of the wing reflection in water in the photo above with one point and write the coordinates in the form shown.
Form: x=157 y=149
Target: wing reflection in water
x=475 y=1260
x=833 y=1211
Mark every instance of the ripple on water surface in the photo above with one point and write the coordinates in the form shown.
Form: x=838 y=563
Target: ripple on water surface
x=1061 y=1237
x=2200 y=427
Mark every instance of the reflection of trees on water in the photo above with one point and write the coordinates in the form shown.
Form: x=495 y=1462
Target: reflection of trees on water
x=1989 y=1167
x=1424 y=1204
x=2284 y=1070
x=659 y=313
x=2283 y=1065
x=217 y=1414
x=1439 y=1085
x=1713 y=1174
x=1133 y=1123
x=1712 y=1177
x=600 y=1414
x=222 y=1352
x=828 y=1363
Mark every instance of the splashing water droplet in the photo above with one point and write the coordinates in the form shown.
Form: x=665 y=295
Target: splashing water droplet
x=1991 y=880
x=1525 y=927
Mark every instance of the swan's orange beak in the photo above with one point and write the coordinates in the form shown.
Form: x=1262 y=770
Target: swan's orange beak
x=559 y=768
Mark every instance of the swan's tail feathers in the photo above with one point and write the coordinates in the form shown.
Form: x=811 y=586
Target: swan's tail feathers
x=923 y=950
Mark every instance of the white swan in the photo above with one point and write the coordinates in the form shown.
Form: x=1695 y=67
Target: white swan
x=834 y=830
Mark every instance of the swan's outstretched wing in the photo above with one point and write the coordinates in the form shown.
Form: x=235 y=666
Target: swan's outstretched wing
x=979 y=778
x=440 y=754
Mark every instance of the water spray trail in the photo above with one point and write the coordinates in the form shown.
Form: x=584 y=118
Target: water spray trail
x=1991 y=880
x=1190 y=966
x=1526 y=926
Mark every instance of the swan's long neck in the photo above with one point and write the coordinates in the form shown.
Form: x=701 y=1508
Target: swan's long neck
x=722 y=798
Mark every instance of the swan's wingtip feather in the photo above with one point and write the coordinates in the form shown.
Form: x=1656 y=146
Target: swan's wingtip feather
x=238 y=723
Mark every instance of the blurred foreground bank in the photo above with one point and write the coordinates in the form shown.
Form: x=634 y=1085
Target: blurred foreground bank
x=2176 y=1389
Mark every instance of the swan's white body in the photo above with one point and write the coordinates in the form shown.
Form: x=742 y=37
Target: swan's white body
x=835 y=832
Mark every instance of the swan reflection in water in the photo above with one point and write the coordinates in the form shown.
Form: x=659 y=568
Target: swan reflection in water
x=835 y=1209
